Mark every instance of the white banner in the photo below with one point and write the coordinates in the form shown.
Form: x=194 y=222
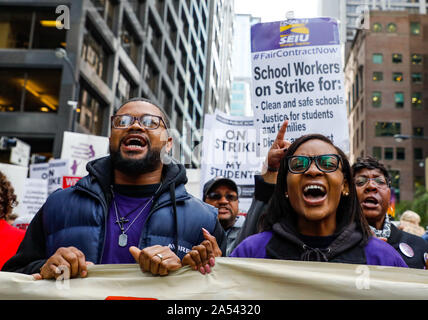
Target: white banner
x=230 y=279
x=298 y=75
x=229 y=150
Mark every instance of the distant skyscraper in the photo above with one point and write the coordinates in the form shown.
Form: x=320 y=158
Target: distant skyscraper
x=218 y=79
x=241 y=65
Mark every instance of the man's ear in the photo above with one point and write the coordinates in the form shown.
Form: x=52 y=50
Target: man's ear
x=169 y=144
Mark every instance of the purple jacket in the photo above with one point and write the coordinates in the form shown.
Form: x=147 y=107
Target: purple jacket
x=377 y=252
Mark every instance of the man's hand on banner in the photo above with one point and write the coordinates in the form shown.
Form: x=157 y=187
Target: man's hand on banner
x=275 y=155
x=68 y=261
x=158 y=260
x=202 y=256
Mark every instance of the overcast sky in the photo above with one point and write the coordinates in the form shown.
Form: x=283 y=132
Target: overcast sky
x=275 y=10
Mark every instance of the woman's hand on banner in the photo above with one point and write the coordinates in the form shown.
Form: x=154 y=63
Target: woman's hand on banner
x=202 y=256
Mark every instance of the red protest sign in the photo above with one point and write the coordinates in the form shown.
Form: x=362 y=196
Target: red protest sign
x=68 y=181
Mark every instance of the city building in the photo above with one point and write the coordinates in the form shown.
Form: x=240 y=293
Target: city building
x=386 y=76
x=351 y=13
x=241 y=65
x=112 y=51
x=218 y=81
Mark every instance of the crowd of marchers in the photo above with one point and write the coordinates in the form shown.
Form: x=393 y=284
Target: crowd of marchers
x=309 y=204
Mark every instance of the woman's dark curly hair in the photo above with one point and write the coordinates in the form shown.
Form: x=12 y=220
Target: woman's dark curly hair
x=7 y=197
x=280 y=209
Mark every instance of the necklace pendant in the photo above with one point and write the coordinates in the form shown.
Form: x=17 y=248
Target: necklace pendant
x=123 y=240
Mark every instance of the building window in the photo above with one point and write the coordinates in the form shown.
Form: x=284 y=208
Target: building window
x=29 y=90
x=93 y=53
x=129 y=41
x=151 y=75
x=415 y=28
x=417 y=77
x=377 y=153
x=376 y=99
x=387 y=129
x=388 y=153
x=416 y=58
x=418 y=153
x=377 y=27
x=400 y=154
x=397 y=76
x=397 y=58
x=125 y=89
x=418 y=131
x=377 y=76
x=417 y=100
x=399 y=99
x=392 y=27
x=89 y=115
x=106 y=10
x=377 y=58
x=15 y=29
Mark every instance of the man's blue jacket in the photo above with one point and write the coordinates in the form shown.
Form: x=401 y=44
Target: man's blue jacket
x=76 y=217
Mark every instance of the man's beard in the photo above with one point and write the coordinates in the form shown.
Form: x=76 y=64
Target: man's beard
x=149 y=163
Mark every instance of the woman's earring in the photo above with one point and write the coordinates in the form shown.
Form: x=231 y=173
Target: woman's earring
x=286 y=195
x=345 y=193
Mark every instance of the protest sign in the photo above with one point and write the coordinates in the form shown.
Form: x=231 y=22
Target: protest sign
x=297 y=75
x=228 y=150
x=69 y=181
x=33 y=198
x=52 y=171
x=20 y=154
x=81 y=148
x=39 y=171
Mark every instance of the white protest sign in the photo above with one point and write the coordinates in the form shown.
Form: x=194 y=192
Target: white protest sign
x=39 y=171
x=20 y=154
x=34 y=196
x=52 y=171
x=81 y=148
x=57 y=169
x=297 y=75
x=229 y=150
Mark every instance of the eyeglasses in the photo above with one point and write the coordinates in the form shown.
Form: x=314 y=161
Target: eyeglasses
x=325 y=163
x=217 y=196
x=361 y=181
x=147 y=121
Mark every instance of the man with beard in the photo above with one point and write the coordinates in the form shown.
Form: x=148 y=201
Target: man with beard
x=222 y=193
x=373 y=185
x=131 y=207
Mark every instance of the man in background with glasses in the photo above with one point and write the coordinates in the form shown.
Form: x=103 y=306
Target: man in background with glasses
x=373 y=185
x=222 y=193
x=131 y=207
